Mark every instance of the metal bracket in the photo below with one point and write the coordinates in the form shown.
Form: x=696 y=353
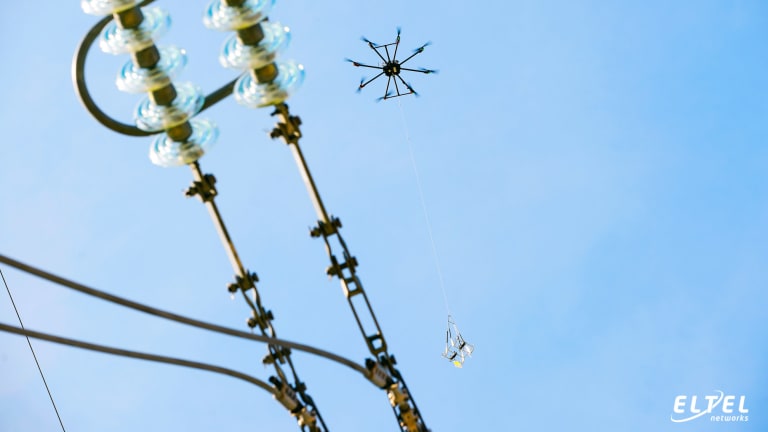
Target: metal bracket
x=204 y=189
x=288 y=128
x=325 y=229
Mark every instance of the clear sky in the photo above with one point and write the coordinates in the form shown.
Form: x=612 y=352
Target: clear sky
x=596 y=174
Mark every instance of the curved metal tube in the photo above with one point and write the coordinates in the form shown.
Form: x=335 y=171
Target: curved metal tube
x=78 y=77
x=137 y=355
x=179 y=318
x=81 y=88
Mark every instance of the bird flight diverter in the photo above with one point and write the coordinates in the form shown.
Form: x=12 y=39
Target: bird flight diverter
x=455 y=345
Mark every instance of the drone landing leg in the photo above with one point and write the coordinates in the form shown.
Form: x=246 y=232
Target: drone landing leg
x=396 y=87
x=386 y=90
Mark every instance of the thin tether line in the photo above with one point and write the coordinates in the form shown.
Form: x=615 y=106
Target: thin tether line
x=33 y=352
x=424 y=208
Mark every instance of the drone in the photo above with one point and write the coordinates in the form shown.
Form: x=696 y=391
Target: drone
x=391 y=68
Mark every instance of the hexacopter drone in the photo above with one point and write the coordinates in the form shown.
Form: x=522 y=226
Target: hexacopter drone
x=391 y=67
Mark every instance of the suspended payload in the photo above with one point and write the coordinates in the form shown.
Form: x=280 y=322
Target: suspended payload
x=456 y=348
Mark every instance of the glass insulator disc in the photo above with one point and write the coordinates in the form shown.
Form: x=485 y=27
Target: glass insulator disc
x=133 y=79
x=152 y=117
x=251 y=93
x=235 y=55
x=219 y=16
x=105 y=7
x=116 y=40
x=165 y=152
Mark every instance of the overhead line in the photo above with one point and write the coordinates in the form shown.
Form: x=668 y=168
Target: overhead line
x=179 y=318
x=138 y=355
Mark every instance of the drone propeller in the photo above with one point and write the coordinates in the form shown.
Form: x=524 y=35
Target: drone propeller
x=421 y=48
x=360 y=87
x=366 y=40
x=386 y=96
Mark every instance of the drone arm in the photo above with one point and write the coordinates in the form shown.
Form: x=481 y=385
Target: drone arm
x=356 y=64
x=418 y=51
x=424 y=71
x=406 y=85
x=397 y=45
x=371 y=80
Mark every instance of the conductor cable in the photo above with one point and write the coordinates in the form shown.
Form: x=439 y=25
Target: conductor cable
x=137 y=355
x=47 y=389
x=179 y=318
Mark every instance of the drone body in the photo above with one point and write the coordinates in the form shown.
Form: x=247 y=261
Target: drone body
x=391 y=68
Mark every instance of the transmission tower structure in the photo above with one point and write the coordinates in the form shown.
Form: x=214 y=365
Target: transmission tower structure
x=168 y=113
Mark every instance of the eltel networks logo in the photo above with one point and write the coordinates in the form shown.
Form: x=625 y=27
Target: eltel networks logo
x=732 y=409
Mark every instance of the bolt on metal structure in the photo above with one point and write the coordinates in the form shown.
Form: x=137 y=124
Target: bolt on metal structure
x=168 y=111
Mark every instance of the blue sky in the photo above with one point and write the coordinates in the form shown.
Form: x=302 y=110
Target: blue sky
x=595 y=174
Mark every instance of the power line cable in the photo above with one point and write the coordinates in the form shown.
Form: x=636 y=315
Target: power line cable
x=40 y=369
x=179 y=318
x=137 y=355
